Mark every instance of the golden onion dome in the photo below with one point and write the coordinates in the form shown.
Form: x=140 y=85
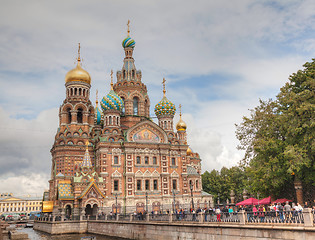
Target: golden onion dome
x=78 y=74
x=189 y=151
x=181 y=125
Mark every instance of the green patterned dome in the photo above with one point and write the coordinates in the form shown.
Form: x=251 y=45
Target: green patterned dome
x=164 y=107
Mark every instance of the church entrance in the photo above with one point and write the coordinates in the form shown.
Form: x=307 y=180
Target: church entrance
x=91 y=210
x=68 y=211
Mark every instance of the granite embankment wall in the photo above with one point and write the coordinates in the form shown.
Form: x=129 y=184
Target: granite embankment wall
x=168 y=231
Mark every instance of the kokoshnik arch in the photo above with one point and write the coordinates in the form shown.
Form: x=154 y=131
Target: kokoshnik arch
x=116 y=153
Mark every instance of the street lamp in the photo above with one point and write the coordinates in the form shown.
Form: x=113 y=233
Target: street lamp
x=174 y=201
x=116 y=203
x=146 y=202
x=192 y=199
x=218 y=198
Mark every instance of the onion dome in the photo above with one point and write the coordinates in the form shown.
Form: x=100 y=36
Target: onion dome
x=164 y=107
x=98 y=114
x=189 y=151
x=181 y=125
x=128 y=42
x=112 y=101
x=78 y=73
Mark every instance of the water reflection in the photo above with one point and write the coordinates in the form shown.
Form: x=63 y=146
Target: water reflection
x=36 y=235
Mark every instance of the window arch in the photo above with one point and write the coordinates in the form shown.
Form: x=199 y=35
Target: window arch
x=110 y=120
x=80 y=115
x=69 y=118
x=123 y=108
x=135 y=105
x=80 y=90
x=75 y=91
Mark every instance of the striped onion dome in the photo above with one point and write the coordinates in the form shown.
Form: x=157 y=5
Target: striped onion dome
x=164 y=107
x=112 y=102
x=98 y=116
x=128 y=42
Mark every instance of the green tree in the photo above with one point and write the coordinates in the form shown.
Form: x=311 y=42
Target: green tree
x=278 y=138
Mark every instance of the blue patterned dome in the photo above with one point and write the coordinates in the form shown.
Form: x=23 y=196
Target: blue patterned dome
x=164 y=107
x=128 y=42
x=112 y=102
x=98 y=116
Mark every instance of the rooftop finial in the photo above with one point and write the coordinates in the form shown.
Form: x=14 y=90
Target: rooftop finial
x=180 y=111
x=164 y=87
x=87 y=144
x=128 y=31
x=96 y=98
x=79 y=59
x=111 y=80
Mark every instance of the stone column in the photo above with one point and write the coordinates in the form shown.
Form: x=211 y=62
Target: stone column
x=299 y=190
x=308 y=217
x=76 y=213
x=201 y=217
x=170 y=217
x=82 y=215
x=63 y=214
x=131 y=217
x=147 y=217
x=242 y=217
x=117 y=216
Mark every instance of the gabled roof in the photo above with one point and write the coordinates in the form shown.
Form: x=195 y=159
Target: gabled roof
x=191 y=171
x=92 y=184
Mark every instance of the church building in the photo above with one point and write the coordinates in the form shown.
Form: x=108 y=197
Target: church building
x=112 y=157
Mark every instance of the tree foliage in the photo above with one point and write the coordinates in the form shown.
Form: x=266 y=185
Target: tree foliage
x=220 y=183
x=278 y=137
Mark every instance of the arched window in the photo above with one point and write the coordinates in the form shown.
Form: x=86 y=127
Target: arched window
x=75 y=91
x=80 y=91
x=196 y=184
x=110 y=120
x=135 y=105
x=80 y=115
x=124 y=74
x=123 y=108
x=71 y=91
x=69 y=115
x=117 y=121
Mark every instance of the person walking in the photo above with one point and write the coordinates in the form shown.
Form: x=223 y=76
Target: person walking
x=218 y=213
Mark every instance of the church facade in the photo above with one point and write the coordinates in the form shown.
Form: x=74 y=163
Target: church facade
x=113 y=157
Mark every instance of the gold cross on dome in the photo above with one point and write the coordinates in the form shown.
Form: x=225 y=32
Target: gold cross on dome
x=87 y=144
x=128 y=31
x=79 y=49
x=180 y=110
x=96 y=98
x=111 y=79
x=163 y=82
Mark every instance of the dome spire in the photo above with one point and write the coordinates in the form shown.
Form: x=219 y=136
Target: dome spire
x=79 y=58
x=96 y=101
x=128 y=31
x=181 y=125
x=111 y=80
x=163 y=82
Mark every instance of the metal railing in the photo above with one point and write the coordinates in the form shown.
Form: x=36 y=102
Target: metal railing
x=222 y=217
x=186 y=217
x=159 y=217
x=275 y=217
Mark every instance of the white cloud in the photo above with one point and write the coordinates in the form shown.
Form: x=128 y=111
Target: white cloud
x=255 y=44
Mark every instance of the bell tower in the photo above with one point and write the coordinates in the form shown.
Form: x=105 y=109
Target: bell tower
x=130 y=88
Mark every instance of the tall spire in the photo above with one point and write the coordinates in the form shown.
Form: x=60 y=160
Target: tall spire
x=163 y=82
x=111 y=80
x=96 y=101
x=128 y=31
x=86 y=159
x=180 y=111
x=79 y=58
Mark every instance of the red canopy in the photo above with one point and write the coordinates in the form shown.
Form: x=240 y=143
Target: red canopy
x=249 y=201
x=282 y=200
x=265 y=201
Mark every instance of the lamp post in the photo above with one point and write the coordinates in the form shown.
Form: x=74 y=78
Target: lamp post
x=192 y=198
x=174 y=201
x=116 y=203
x=218 y=198
x=146 y=202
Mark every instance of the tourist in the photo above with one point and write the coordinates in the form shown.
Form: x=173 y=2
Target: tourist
x=280 y=211
x=255 y=212
x=261 y=213
x=299 y=208
x=287 y=210
x=218 y=213
x=306 y=205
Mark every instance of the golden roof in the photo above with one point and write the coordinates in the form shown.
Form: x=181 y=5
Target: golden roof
x=181 y=125
x=189 y=151
x=78 y=73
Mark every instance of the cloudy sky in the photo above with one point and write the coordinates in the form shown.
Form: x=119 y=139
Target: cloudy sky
x=218 y=57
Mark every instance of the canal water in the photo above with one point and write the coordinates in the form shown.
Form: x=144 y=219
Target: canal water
x=36 y=235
